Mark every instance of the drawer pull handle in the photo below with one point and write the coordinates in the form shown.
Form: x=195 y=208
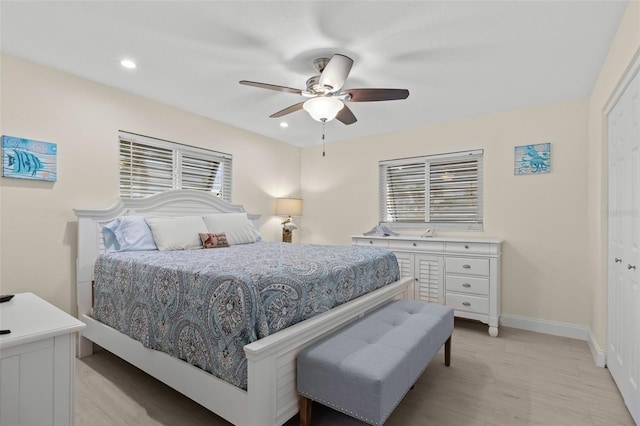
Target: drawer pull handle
x=467 y=285
x=466 y=303
x=466 y=246
x=466 y=266
x=415 y=245
x=370 y=242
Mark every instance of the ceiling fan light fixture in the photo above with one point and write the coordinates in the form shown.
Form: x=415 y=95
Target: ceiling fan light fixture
x=323 y=108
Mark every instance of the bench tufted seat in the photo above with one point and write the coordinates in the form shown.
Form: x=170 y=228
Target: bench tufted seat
x=365 y=369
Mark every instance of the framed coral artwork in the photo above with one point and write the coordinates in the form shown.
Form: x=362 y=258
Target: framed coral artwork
x=29 y=159
x=532 y=159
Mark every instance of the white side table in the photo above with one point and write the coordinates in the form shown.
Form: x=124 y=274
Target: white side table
x=37 y=363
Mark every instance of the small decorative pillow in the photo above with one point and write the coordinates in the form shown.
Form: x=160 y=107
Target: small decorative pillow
x=214 y=240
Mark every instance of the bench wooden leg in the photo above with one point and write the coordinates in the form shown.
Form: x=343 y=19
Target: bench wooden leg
x=305 y=411
x=447 y=352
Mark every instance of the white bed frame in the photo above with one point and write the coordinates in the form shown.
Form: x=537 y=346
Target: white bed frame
x=271 y=397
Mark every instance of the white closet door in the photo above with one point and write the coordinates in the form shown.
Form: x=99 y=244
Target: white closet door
x=623 y=307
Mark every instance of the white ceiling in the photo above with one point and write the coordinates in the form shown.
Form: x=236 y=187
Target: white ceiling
x=458 y=59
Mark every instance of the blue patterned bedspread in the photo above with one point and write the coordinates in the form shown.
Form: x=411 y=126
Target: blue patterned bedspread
x=203 y=306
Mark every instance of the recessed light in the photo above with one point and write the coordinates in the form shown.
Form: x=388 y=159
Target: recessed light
x=284 y=124
x=127 y=63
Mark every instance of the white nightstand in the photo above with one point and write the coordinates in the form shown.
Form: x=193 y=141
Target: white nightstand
x=37 y=362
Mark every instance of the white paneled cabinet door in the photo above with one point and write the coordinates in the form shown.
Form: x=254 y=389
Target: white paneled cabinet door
x=429 y=273
x=623 y=306
x=405 y=263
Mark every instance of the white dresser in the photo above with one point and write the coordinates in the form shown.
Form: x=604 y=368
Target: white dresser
x=463 y=273
x=37 y=363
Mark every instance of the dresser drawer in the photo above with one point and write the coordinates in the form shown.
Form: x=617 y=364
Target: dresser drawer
x=463 y=284
x=468 y=247
x=373 y=242
x=432 y=246
x=468 y=303
x=465 y=265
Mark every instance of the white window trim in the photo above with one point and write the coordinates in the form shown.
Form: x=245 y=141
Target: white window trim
x=441 y=226
x=179 y=150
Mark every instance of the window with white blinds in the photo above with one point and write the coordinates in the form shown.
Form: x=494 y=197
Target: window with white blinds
x=441 y=192
x=149 y=165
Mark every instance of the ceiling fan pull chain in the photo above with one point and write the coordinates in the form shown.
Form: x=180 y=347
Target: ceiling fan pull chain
x=323 y=123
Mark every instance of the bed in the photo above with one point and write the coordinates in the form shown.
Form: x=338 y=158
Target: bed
x=267 y=393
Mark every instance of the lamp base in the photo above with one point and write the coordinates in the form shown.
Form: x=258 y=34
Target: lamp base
x=286 y=235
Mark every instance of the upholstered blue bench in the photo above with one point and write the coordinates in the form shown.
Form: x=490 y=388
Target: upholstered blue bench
x=365 y=369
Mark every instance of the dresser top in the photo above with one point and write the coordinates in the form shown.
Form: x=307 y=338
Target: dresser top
x=30 y=318
x=440 y=239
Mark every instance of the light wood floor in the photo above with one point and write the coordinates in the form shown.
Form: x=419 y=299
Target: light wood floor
x=519 y=378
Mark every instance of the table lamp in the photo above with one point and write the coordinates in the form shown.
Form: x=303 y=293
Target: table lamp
x=288 y=207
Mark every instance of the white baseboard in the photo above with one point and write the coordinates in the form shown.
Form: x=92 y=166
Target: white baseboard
x=599 y=356
x=572 y=331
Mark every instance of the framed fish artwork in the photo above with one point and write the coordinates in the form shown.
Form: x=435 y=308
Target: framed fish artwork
x=532 y=159
x=29 y=159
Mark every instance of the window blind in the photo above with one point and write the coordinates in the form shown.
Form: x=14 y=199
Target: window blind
x=149 y=166
x=405 y=194
x=440 y=191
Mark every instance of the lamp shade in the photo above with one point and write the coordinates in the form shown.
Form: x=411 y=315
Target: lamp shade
x=323 y=108
x=288 y=207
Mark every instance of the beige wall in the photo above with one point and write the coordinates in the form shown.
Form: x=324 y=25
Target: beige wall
x=625 y=47
x=37 y=224
x=541 y=218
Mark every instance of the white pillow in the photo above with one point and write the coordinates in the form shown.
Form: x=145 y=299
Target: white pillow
x=236 y=226
x=177 y=233
x=128 y=233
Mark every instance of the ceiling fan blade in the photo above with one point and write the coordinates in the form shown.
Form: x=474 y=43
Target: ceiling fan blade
x=288 y=110
x=271 y=87
x=335 y=72
x=371 y=95
x=345 y=115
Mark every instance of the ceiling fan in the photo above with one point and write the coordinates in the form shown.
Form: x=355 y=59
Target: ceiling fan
x=325 y=93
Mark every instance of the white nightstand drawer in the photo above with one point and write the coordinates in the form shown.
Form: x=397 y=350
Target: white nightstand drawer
x=468 y=247
x=373 y=242
x=465 y=265
x=467 y=303
x=475 y=285
x=432 y=246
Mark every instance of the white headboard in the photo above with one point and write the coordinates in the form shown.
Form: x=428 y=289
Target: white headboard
x=169 y=203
